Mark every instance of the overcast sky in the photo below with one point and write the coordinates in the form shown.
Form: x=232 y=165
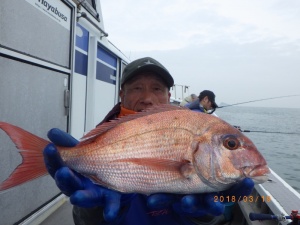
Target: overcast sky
x=242 y=50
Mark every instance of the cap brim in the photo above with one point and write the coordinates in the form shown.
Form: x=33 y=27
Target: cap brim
x=165 y=75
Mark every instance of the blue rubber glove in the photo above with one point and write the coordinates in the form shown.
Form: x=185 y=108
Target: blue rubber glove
x=82 y=191
x=196 y=205
x=238 y=191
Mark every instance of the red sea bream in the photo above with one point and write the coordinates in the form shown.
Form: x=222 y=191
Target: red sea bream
x=164 y=149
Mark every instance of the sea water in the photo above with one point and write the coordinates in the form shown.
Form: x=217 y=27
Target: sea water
x=281 y=150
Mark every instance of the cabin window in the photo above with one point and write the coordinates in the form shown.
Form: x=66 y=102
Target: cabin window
x=90 y=6
x=92 y=3
x=106 y=66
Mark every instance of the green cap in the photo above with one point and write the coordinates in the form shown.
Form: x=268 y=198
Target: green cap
x=146 y=64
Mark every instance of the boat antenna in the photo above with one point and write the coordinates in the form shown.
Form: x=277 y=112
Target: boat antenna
x=257 y=100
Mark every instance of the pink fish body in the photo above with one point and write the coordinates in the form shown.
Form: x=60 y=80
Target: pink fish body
x=165 y=149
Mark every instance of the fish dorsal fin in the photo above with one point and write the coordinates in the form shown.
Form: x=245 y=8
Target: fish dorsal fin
x=101 y=129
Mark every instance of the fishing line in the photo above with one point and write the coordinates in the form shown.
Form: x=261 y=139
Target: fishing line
x=258 y=100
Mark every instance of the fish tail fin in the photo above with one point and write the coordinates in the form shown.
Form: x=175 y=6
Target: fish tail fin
x=31 y=149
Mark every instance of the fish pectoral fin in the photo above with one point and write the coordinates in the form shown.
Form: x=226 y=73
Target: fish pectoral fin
x=187 y=170
x=183 y=168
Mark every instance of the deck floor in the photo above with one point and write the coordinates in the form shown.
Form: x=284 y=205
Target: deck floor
x=288 y=199
x=62 y=216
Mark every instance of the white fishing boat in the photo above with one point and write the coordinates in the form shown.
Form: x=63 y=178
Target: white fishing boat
x=58 y=69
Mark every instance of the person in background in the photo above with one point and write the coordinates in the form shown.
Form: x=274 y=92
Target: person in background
x=204 y=103
x=188 y=99
x=145 y=83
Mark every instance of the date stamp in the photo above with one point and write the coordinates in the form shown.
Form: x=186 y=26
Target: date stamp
x=249 y=198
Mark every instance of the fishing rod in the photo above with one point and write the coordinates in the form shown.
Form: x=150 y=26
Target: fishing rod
x=262 y=131
x=271 y=132
x=294 y=216
x=257 y=100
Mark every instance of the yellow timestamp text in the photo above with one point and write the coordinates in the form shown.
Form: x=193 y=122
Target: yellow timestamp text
x=249 y=198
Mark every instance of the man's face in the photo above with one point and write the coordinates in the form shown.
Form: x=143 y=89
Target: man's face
x=143 y=91
x=206 y=103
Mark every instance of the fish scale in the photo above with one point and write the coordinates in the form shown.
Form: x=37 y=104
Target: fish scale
x=134 y=147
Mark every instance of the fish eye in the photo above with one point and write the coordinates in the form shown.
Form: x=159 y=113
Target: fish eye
x=231 y=143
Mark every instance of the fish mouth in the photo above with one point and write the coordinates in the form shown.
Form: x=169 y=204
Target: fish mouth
x=260 y=179
x=258 y=173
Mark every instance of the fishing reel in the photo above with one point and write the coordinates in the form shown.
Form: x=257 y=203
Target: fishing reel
x=294 y=216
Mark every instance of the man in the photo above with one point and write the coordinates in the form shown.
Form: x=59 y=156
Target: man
x=145 y=83
x=188 y=99
x=204 y=103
